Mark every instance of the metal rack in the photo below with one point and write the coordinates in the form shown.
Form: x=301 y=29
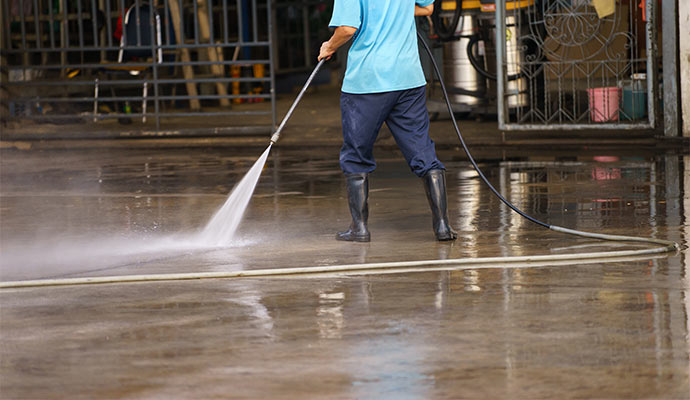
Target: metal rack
x=191 y=59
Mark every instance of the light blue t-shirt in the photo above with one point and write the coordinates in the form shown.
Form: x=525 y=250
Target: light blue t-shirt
x=384 y=55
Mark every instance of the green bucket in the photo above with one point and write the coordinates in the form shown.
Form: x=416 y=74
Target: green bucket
x=633 y=104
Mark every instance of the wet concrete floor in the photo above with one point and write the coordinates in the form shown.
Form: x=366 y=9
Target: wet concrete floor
x=582 y=330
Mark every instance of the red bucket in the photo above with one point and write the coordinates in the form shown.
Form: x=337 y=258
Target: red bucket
x=604 y=103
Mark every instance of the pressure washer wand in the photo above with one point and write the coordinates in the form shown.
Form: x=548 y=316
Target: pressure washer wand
x=276 y=135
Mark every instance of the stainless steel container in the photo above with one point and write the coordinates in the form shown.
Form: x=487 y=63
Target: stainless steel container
x=515 y=90
x=457 y=71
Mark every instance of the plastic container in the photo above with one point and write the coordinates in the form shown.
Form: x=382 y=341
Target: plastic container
x=604 y=103
x=634 y=104
x=634 y=97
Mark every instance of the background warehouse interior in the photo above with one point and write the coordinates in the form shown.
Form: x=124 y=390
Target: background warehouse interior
x=108 y=63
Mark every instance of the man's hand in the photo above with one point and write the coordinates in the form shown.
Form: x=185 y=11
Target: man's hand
x=423 y=11
x=341 y=35
x=326 y=51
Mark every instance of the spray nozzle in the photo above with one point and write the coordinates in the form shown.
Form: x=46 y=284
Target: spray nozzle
x=275 y=137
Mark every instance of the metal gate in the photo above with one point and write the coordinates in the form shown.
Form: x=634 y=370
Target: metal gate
x=140 y=62
x=300 y=28
x=576 y=64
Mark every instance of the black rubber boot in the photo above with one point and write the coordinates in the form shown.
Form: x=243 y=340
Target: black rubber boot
x=435 y=185
x=357 y=195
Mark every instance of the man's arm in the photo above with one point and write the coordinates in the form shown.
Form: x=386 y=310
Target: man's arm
x=341 y=35
x=423 y=11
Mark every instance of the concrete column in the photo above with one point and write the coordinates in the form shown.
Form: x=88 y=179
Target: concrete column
x=684 y=32
x=671 y=111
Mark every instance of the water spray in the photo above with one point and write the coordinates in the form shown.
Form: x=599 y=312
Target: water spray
x=220 y=230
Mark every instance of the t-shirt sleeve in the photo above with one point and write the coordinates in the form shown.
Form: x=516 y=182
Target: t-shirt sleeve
x=346 y=13
x=423 y=3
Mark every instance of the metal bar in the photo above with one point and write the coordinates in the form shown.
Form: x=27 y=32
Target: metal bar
x=95 y=100
x=271 y=68
x=205 y=45
x=94 y=22
x=135 y=47
x=217 y=97
x=46 y=18
x=5 y=25
x=64 y=33
x=177 y=15
x=162 y=115
x=652 y=85
x=230 y=44
x=573 y=127
x=37 y=27
x=144 y=103
x=99 y=33
x=225 y=21
x=22 y=21
x=632 y=18
x=238 y=7
x=156 y=57
x=274 y=38
x=156 y=88
x=166 y=18
x=131 y=82
x=108 y=23
x=80 y=24
x=211 y=36
x=123 y=14
x=500 y=69
x=255 y=28
x=137 y=18
x=206 y=114
x=671 y=60
x=213 y=53
x=84 y=99
x=140 y=98
x=148 y=134
x=196 y=22
x=145 y=64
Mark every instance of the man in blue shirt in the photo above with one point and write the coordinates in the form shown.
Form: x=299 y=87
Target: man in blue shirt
x=384 y=82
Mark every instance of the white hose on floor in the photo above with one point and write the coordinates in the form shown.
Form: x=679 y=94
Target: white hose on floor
x=664 y=246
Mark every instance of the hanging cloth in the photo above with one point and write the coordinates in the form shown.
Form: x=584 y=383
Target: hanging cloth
x=604 y=7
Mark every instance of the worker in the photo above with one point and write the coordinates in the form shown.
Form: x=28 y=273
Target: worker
x=384 y=82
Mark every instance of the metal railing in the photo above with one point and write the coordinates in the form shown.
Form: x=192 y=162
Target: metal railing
x=95 y=60
x=567 y=65
x=301 y=26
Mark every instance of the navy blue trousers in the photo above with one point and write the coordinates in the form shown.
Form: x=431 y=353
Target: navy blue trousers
x=405 y=114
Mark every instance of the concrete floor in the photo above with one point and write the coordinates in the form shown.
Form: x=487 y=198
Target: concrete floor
x=584 y=330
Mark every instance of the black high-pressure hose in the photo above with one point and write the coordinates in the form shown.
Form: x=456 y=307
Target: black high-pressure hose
x=446 y=32
x=669 y=245
x=462 y=140
x=471 y=44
